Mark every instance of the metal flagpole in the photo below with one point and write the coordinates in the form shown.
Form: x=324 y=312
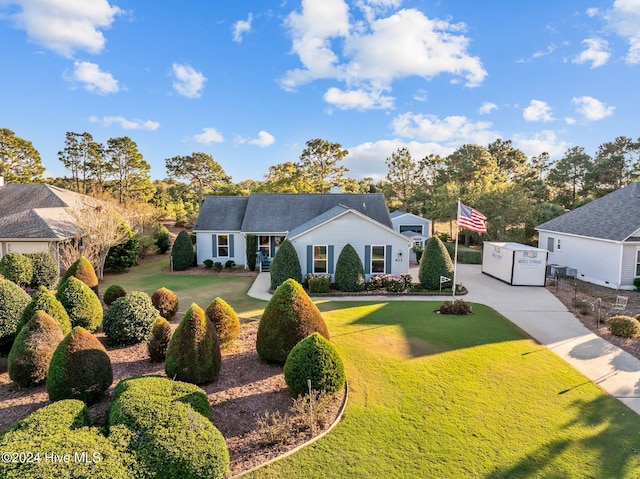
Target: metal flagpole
x=455 y=254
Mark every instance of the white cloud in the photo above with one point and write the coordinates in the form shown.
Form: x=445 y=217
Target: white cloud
x=597 y=52
x=592 y=12
x=94 y=80
x=65 y=26
x=451 y=130
x=370 y=55
x=624 y=19
x=544 y=141
x=537 y=111
x=241 y=27
x=591 y=108
x=487 y=107
x=188 y=82
x=264 y=139
x=208 y=135
x=357 y=99
x=125 y=124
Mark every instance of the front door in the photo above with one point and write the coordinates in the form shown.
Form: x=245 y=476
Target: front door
x=264 y=246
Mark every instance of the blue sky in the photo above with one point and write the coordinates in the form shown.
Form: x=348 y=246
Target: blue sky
x=251 y=82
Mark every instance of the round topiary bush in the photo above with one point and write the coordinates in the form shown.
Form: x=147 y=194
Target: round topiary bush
x=290 y=316
x=182 y=251
x=166 y=302
x=112 y=293
x=13 y=300
x=349 y=274
x=285 y=265
x=129 y=319
x=83 y=270
x=225 y=320
x=17 y=267
x=82 y=304
x=624 y=326
x=80 y=368
x=159 y=342
x=316 y=359
x=32 y=350
x=44 y=300
x=194 y=353
x=45 y=270
x=435 y=262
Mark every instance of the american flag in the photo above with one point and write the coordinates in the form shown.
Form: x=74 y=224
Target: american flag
x=471 y=219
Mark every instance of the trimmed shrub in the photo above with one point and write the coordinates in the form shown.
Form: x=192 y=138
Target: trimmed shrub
x=225 y=320
x=624 y=326
x=162 y=239
x=458 y=307
x=229 y=264
x=217 y=266
x=208 y=263
x=129 y=319
x=64 y=428
x=83 y=270
x=418 y=250
x=17 y=267
x=194 y=354
x=465 y=255
x=124 y=255
x=435 y=262
x=285 y=265
x=159 y=342
x=13 y=300
x=349 y=274
x=112 y=293
x=319 y=284
x=375 y=282
x=45 y=270
x=166 y=302
x=80 y=368
x=32 y=350
x=290 y=316
x=636 y=283
x=170 y=421
x=44 y=300
x=182 y=251
x=82 y=304
x=252 y=248
x=316 y=359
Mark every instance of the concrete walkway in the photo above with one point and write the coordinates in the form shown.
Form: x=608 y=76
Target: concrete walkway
x=541 y=315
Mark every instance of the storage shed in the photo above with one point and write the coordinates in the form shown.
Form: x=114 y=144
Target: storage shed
x=514 y=263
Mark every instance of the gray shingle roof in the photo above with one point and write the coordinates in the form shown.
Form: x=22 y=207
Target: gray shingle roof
x=221 y=213
x=318 y=220
x=615 y=216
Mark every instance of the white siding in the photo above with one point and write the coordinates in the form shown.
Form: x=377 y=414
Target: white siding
x=204 y=244
x=359 y=232
x=27 y=247
x=411 y=219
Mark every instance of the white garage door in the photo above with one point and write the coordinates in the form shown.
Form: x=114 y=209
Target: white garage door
x=27 y=247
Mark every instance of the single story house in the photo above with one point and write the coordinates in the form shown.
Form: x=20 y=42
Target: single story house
x=318 y=226
x=35 y=218
x=412 y=226
x=600 y=239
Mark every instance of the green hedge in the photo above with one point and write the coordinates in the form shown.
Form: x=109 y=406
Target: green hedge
x=45 y=270
x=13 y=300
x=465 y=255
x=17 y=267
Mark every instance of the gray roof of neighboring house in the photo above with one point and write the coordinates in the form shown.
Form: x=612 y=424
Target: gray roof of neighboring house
x=613 y=217
x=37 y=211
x=281 y=213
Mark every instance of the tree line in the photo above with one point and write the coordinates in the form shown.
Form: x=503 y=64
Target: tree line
x=515 y=192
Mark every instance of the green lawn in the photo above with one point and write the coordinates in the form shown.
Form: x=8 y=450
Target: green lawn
x=458 y=397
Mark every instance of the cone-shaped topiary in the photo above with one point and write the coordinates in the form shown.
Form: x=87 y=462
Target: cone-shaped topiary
x=159 y=342
x=166 y=302
x=83 y=270
x=82 y=304
x=194 y=354
x=45 y=270
x=13 y=300
x=349 y=274
x=17 y=267
x=32 y=350
x=316 y=359
x=112 y=293
x=129 y=319
x=44 y=300
x=290 y=316
x=435 y=262
x=182 y=251
x=225 y=320
x=80 y=368
x=285 y=265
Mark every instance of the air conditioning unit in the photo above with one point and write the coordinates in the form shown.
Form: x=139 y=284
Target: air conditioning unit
x=571 y=273
x=557 y=271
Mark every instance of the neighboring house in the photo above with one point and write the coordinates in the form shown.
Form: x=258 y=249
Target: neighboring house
x=35 y=218
x=412 y=226
x=601 y=239
x=318 y=226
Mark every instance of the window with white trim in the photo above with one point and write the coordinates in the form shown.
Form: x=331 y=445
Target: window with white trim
x=223 y=246
x=638 y=262
x=558 y=248
x=319 y=259
x=377 y=259
x=414 y=228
